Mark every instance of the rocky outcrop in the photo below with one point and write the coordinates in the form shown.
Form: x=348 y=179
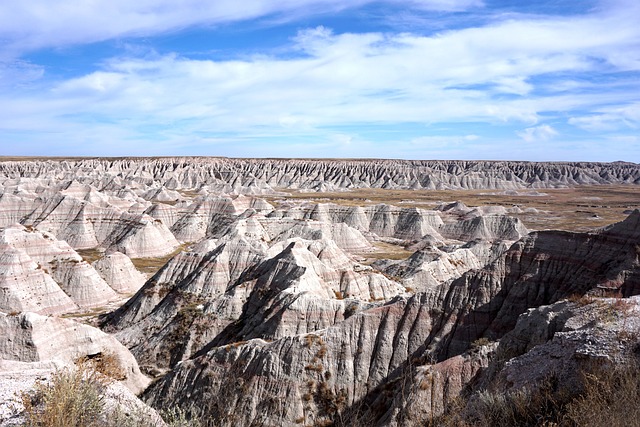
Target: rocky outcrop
x=119 y=272
x=95 y=222
x=410 y=224
x=260 y=176
x=432 y=266
x=45 y=275
x=50 y=341
x=26 y=287
x=234 y=290
x=546 y=355
x=484 y=227
x=322 y=373
x=33 y=348
x=382 y=220
x=559 y=341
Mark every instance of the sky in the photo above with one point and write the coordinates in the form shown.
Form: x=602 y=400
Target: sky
x=544 y=80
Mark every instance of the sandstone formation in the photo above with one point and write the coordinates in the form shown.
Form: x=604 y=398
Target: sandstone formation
x=32 y=347
x=45 y=275
x=33 y=338
x=259 y=176
x=119 y=272
x=291 y=312
x=321 y=374
x=382 y=220
x=549 y=345
x=431 y=266
x=236 y=290
x=89 y=222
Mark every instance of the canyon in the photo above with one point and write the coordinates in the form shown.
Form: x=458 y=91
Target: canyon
x=274 y=292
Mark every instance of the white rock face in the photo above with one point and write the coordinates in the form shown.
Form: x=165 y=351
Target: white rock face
x=433 y=267
x=382 y=220
x=166 y=213
x=262 y=176
x=119 y=272
x=33 y=347
x=45 y=275
x=29 y=337
x=26 y=287
x=485 y=227
x=88 y=220
x=294 y=286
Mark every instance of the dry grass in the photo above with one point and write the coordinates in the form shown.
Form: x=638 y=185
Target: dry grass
x=106 y=364
x=386 y=250
x=166 y=202
x=177 y=417
x=90 y=255
x=87 y=316
x=150 y=266
x=72 y=398
x=75 y=398
x=189 y=194
x=581 y=300
x=573 y=209
x=609 y=398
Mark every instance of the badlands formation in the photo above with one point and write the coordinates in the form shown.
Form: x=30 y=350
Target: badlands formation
x=231 y=291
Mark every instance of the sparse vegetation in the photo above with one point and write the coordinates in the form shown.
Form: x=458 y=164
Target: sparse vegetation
x=350 y=310
x=480 y=342
x=106 y=364
x=386 y=250
x=178 y=417
x=151 y=266
x=581 y=299
x=573 y=209
x=72 y=398
x=90 y=255
x=608 y=398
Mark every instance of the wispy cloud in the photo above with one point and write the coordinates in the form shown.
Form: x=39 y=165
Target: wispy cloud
x=610 y=119
x=32 y=24
x=499 y=74
x=538 y=133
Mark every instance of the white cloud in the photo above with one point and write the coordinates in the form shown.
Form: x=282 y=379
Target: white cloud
x=19 y=72
x=609 y=119
x=31 y=24
x=538 y=133
x=356 y=78
x=328 y=80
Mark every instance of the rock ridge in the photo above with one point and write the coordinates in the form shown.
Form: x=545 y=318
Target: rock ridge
x=250 y=175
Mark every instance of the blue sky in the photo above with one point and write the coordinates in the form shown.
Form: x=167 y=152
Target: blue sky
x=413 y=79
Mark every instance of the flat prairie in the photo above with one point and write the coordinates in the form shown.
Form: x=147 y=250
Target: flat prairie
x=572 y=209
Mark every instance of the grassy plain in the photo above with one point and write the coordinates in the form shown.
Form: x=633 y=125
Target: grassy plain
x=573 y=209
x=150 y=266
